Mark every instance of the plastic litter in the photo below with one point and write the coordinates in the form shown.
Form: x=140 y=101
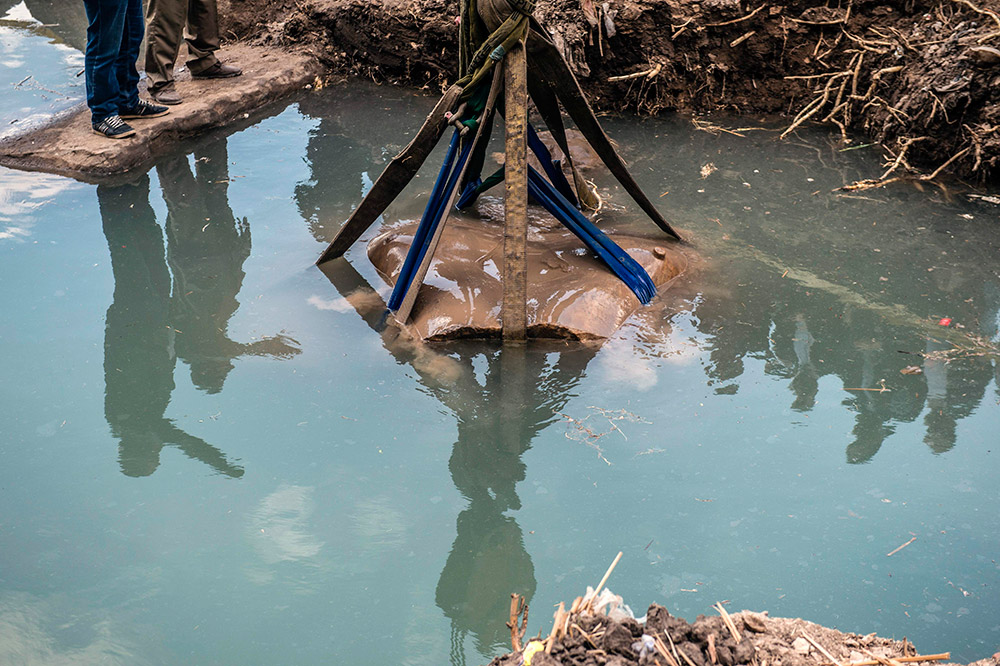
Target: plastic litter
x=610 y=604
x=531 y=649
x=645 y=645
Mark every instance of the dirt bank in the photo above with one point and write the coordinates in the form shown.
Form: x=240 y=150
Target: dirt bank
x=920 y=76
x=67 y=145
x=598 y=639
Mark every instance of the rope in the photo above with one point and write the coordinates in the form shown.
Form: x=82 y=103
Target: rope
x=480 y=50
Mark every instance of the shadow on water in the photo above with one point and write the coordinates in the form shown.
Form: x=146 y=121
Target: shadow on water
x=173 y=304
x=498 y=416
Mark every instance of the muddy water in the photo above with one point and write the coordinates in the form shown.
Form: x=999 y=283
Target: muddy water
x=209 y=454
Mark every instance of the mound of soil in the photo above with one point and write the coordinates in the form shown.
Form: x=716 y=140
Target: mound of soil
x=599 y=640
x=921 y=76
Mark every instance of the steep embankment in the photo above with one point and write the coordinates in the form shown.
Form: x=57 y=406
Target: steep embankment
x=921 y=76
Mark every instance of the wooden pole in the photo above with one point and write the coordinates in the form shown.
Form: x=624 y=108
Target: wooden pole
x=513 y=311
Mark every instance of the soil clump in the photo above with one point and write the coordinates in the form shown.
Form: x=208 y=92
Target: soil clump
x=920 y=76
x=606 y=640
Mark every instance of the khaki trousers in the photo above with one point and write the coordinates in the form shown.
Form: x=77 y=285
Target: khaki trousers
x=170 y=21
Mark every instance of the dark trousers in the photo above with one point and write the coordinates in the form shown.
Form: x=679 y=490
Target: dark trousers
x=114 y=37
x=171 y=22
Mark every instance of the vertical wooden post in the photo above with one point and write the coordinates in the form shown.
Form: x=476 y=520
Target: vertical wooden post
x=513 y=312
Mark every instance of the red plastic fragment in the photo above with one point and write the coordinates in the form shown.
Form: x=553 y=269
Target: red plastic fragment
x=945 y=321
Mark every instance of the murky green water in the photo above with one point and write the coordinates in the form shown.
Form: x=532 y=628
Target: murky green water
x=209 y=457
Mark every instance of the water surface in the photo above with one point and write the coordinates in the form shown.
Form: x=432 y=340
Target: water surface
x=211 y=456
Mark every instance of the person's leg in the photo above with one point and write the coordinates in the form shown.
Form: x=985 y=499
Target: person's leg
x=128 y=76
x=164 y=31
x=203 y=34
x=106 y=20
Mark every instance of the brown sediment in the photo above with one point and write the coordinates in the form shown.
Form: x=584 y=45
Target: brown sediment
x=68 y=146
x=571 y=295
x=917 y=74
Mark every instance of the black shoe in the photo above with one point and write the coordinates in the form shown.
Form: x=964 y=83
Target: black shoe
x=166 y=95
x=144 y=109
x=218 y=71
x=113 y=127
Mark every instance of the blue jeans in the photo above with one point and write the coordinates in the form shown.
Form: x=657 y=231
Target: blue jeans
x=114 y=35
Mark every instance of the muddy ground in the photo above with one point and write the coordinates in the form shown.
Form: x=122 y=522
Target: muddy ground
x=599 y=640
x=920 y=76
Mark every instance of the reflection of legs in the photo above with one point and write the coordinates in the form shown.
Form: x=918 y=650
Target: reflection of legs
x=212 y=175
x=179 y=190
x=940 y=422
x=138 y=363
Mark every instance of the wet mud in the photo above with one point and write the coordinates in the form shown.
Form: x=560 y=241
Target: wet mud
x=920 y=76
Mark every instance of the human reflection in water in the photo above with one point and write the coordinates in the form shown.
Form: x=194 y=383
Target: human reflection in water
x=139 y=341
x=497 y=421
x=206 y=248
x=344 y=161
x=150 y=325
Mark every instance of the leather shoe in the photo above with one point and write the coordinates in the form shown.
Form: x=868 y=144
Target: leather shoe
x=218 y=71
x=166 y=95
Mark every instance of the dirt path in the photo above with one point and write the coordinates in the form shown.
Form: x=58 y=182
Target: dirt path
x=920 y=76
x=68 y=146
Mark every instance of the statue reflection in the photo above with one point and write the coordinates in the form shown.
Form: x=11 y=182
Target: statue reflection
x=805 y=334
x=497 y=419
x=149 y=324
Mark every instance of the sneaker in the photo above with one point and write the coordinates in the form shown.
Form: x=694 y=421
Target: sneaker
x=166 y=95
x=144 y=109
x=113 y=127
x=218 y=71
